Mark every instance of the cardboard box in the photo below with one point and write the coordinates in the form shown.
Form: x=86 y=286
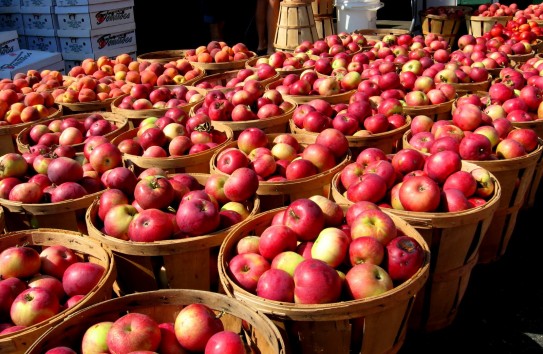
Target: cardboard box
x=10 y=6
x=97 y=40
x=95 y=16
x=37 y=3
x=58 y=66
x=23 y=60
x=22 y=42
x=46 y=44
x=12 y=21
x=39 y=17
x=9 y=42
x=80 y=2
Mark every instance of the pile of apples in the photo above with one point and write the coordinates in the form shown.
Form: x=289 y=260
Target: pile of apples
x=260 y=73
x=244 y=103
x=409 y=180
x=17 y=108
x=496 y=9
x=285 y=159
x=68 y=131
x=480 y=51
x=532 y=12
x=89 y=89
x=357 y=118
x=332 y=44
x=33 y=80
x=173 y=134
x=308 y=83
x=144 y=96
x=313 y=253
x=123 y=68
x=286 y=61
x=473 y=134
x=197 y=328
x=38 y=283
x=218 y=52
x=139 y=208
x=445 y=11
x=45 y=176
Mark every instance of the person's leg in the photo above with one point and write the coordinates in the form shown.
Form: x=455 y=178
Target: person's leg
x=261 y=21
x=214 y=18
x=272 y=17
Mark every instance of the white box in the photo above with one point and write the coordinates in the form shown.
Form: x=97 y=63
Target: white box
x=37 y=3
x=46 y=44
x=95 y=16
x=79 y=2
x=9 y=42
x=97 y=40
x=22 y=42
x=39 y=17
x=111 y=53
x=58 y=66
x=23 y=60
x=12 y=21
x=10 y=6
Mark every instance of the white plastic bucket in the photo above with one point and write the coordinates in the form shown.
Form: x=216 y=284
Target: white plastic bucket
x=356 y=14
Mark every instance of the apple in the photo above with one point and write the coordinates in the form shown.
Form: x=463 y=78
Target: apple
x=366 y=249
x=33 y=306
x=197 y=217
x=405 y=257
x=331 y=246
x=55 y=259
x=305 y=218
x=375 y=223
x=117 y=220
x=276 y=284
x=475 y=147
x=442 y=164
x=194 y=325
x=133 y=332
x=315 y=282
x=420 y=193
x=19 y=262
x=95 y=338
x=366 y=279
x=509 y=148
x=333 y=213
x=225 y=342
x=276 y=239
x=153 y=192
x=80 y=278
x=246 y=269
x=371 y=187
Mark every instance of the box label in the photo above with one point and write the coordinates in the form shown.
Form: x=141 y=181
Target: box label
x=113 y=16
x=114 y=40
x=17 y=60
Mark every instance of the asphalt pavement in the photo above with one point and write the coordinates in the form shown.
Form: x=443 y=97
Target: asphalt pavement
x=502 y=309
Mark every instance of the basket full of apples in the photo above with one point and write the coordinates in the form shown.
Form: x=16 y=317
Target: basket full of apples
x=18 y=111
x=247 y=106
x=143 y=101
x=284 y=63
x=289 y=166
x=72 y=130
x=449 y=201
x=47 y=275
x=218 y=56
x=165 y=321
x=355 y=120
x=444 y=20
x=510 y=153
x=264 y=74
x=48 y=187
x=164 y=228
x=485 y=16
x=316 y=267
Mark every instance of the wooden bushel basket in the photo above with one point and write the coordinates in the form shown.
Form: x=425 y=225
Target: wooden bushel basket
x=8 y=133
x=325 y=25
x=447 y=27
x=136 y=116
x=377 y=34
x=437 y=112
x=479 y=25
x=259 y=332
x=216 y=68
x=521 y=58
x=162 y=56
x=194 y=163
x=533 y=187
x=334 y=327
x=174 y=264
x=80 y=107
x=277 y=124
x=66 y=215
x=389 y=141
x=515 y=176
x=295 y=24
x=87 y=250
x=277 y=194
x=322 y=7
x=463 y=88
x=120 y=122
x=454 y=240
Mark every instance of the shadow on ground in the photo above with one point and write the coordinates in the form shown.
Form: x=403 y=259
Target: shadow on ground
x=502 y=310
